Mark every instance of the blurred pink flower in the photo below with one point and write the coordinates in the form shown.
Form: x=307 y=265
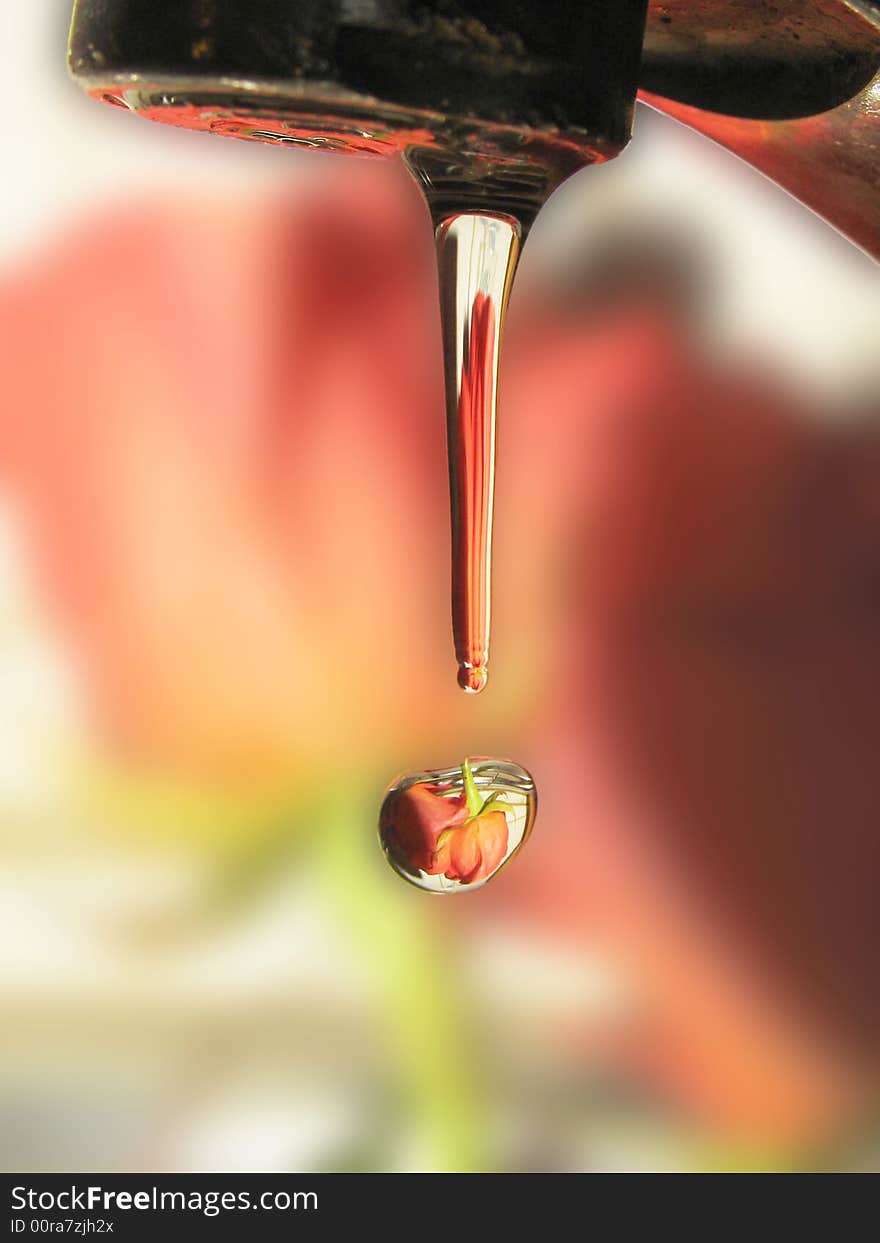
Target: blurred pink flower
x=223 y=424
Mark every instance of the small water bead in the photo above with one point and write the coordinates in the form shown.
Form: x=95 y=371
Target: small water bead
x=472 y=678
x=451 y=830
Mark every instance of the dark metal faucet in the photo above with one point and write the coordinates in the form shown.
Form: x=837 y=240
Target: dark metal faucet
x=790 y=85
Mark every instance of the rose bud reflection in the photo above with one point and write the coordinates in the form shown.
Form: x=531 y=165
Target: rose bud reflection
x=455 y=828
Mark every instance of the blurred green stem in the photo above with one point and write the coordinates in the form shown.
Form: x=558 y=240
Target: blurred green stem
x=416 y=979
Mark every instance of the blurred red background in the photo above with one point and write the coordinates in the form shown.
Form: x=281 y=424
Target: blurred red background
x=223 y=467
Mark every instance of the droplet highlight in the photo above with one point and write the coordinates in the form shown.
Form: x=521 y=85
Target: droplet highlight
x=451 y=830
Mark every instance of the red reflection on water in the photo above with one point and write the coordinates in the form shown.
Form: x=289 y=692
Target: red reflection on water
x=471 y=457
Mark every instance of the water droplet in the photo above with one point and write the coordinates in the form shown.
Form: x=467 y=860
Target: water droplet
x=472 y=678
x=452 y=829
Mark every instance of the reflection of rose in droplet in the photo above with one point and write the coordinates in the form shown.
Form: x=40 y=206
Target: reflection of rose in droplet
x=444 y=834
x=412 y=822
x=474 y=850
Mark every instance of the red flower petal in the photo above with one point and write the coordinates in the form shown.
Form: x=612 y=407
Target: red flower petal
x=474 y=851
x=412 y=822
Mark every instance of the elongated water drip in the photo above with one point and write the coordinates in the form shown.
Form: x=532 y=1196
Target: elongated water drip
x=490 y=107
x=476 y=258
